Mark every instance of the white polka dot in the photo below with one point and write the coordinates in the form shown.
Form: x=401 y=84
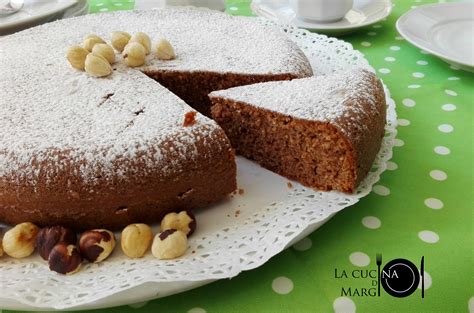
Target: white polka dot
x=470 y=305
x=424 y=52
x=391 y=166
x=434 y=203
x=403 y=122
x=445 y=128
x=99 y=4
x=414 y=6
x=428 y=236
x=398 y=142
x=282 y=285
x=414 y=86
x=408 y=102
x=421 y=62
x=390 y=59
x=138 y=305
x=344 y=305
x=103 y=9
x=233 y=8
x=448 y=107
x=418 y=75
x=384 y=70
x=454 y=78
x=399 y=38
x=197 y=310
x=394 y=48
x=454 y=67
x=371 y=33
x=438 y=175
x=371 y=222
x=359 y=259
x=377 y=26
x=442 y=150
x=427 y=280
x=381 y=190
x=451 y=92
x=303 y=245
x=365 y=44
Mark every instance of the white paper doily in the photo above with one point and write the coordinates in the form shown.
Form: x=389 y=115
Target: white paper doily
x=236 y=235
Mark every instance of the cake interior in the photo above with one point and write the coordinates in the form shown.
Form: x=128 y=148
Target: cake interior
x=194 y=87
x=311 y=152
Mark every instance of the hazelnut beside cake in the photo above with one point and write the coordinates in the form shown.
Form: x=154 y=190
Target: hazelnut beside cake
x=88 y=152
x=322 y=131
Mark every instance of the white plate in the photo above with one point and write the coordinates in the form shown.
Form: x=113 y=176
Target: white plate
x=445 y=30
x=235 y=235
x=363 y=13
x=34 y=12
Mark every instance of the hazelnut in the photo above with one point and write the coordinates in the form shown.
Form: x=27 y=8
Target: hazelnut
x=142 y=39
x=19 y=242
x=1 y=247
x=96 y=245
x=134 y=54
x=169 y=244
x=97 y=65
x=90 y=41
x=164 y=50
x=48 y=237
x=183 y=221
x=119 y=40
x=105 y=51
x=64 y=259
x=136 y=239
x=77 y=57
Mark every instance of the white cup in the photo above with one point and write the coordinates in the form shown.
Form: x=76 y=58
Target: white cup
x=321 y=10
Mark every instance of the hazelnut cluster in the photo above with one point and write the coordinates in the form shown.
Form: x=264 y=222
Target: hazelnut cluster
x=59 y=245
x=95 y=56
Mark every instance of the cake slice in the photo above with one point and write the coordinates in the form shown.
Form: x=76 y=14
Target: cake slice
x=323 y=131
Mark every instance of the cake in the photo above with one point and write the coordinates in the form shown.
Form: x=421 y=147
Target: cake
x=322 y=131
x=89 y=152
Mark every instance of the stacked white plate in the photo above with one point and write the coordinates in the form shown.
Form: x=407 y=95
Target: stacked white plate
x=36 y=12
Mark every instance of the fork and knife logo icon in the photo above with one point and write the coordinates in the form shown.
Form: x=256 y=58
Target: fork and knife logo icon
x=400 y=277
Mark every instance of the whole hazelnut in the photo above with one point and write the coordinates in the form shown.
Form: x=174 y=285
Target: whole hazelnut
x=96 y=245
x=48 y=237
x=142 y=39
x=136 y=239
x=134 y=54
x=105 y=51
x=64 y=259
x=169 y=244
x=90 y=41
x=183 y=221
x=77 y=57
x=19 y=242
x=1 y=247
x=119 y=40
x=97 y=65
x=164 y=50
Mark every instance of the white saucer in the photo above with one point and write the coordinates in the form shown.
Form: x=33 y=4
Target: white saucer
x=363 y=13
x=445 y=30
x=35 y=12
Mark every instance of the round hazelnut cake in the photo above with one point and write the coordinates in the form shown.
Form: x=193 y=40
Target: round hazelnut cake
x=89 y=152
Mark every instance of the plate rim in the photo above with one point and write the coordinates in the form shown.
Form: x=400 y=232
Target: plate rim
x=329 y=27
x=399 y=26
x=35 y=18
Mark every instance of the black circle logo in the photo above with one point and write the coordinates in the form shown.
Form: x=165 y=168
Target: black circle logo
x=400 y=278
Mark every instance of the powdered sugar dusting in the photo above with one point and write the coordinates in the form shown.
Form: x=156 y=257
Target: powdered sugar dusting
x=52 y=116
x=325 y=98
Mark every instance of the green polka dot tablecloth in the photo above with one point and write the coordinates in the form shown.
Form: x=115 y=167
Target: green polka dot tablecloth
x=422 y=206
